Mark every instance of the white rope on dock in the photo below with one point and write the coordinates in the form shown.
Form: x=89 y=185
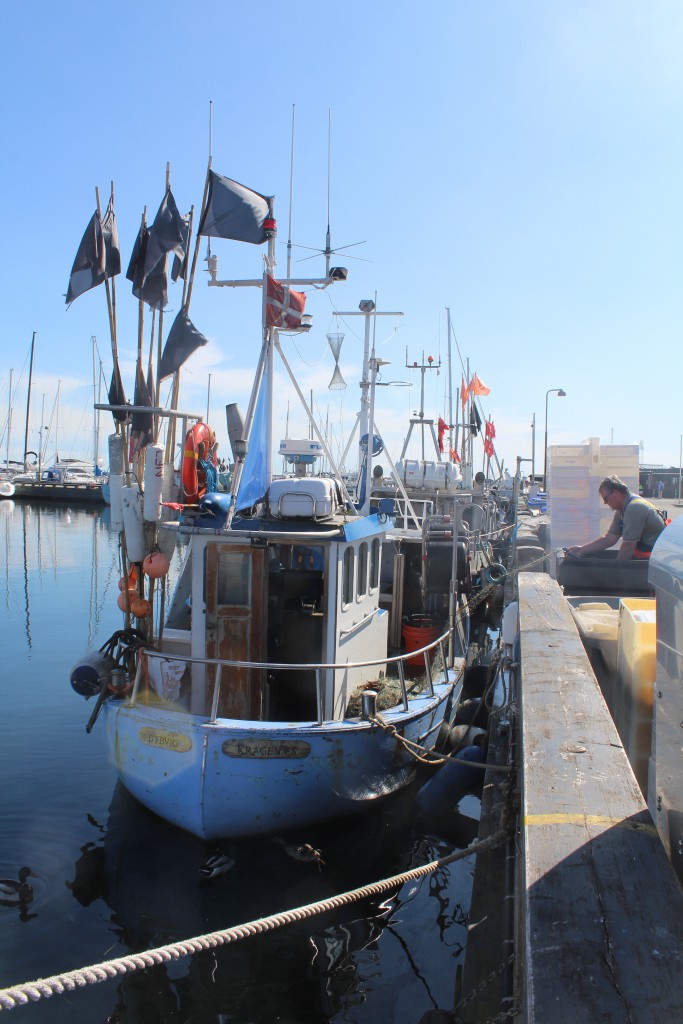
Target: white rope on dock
x=57 y=984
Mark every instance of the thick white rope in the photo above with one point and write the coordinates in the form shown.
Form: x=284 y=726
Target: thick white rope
x=57 y=984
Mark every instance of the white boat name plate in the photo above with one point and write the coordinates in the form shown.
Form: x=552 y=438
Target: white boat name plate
x=176 y=741
x=264 y=747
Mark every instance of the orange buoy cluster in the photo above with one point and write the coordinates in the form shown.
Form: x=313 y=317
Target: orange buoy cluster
x=155 y=565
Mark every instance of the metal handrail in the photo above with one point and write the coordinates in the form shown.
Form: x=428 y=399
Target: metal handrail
x=398 y=660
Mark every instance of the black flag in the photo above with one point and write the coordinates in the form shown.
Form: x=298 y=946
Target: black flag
x=179 y=268
x=475 y=420
x=167 y=234
x=183 y=339
x=117 y=395
x=88 y=269
x=111 y=243
x=151 y=287
x=143 y=423
x=234 y=211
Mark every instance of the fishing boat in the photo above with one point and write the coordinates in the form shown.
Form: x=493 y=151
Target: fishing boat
x=268 y=697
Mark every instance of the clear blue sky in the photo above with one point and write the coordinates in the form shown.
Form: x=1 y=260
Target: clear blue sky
x=519 y=163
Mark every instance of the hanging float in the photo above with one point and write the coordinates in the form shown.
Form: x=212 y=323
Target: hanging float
x=199 y=459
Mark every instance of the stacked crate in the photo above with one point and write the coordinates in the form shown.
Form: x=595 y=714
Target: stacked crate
x=577 y=512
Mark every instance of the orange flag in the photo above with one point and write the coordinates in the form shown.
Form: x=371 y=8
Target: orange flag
x=463 y=393
x=477 y=387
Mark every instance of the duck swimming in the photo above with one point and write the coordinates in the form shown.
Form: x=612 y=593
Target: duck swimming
x=14 y=892
x=217 y=864
x=300 y=851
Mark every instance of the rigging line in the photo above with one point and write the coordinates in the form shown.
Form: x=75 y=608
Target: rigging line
x=311 y=365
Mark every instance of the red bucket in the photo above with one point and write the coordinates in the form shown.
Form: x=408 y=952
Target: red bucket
x=417 y=636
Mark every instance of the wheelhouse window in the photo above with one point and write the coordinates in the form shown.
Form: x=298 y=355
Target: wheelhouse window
x=362 y=573
x=347 y=582
x=374 y=564
x=234 y=578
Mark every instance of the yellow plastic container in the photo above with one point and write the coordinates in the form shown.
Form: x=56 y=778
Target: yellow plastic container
x=636 y=676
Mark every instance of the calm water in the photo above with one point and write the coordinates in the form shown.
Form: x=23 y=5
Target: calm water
x=111 y=878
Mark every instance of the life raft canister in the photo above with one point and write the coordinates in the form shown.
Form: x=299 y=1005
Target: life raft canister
x=193 y=476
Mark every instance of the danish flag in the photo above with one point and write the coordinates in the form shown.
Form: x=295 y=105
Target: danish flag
x=284 y=307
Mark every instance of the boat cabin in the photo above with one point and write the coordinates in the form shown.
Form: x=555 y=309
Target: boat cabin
x=293 y=587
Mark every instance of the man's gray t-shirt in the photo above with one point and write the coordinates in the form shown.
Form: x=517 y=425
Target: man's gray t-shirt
x=639 y=521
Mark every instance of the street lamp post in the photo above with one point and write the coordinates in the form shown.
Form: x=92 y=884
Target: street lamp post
x=560 y=394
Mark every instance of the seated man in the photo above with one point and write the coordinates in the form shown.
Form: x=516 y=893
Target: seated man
x=636 y=521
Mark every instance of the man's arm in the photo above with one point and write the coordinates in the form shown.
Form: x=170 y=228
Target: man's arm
x=627 y=550
x=608 y=540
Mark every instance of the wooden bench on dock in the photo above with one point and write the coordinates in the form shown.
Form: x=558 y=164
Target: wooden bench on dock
x=600 y=910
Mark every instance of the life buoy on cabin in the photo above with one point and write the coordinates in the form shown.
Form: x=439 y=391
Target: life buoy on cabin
x=200 y=443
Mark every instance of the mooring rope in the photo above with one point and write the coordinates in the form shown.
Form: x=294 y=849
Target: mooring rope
x=57 y=984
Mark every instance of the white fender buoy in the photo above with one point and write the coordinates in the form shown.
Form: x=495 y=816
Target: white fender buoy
x=116 y=454
x=116 y=508
x=154 y=482
x=131 y=499
x=510 y=624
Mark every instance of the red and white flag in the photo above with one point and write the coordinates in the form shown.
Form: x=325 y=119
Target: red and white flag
x=284 y=307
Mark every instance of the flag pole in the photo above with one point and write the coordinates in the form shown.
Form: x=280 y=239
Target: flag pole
x=450 y=385
x=196 y=247
x=110 y=310
x=110 y=290
x=186 y=301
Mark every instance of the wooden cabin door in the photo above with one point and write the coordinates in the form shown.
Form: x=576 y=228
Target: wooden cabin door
x=235 y=627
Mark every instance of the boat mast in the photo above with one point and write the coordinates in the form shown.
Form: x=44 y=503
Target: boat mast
x=366 y=308
x=9 y=417
x=450 y=384
x=291 y=197
x=40 y=438
x=28 y=401
x=59 y=385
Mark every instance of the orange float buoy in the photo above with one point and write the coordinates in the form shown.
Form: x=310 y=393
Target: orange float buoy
x=141 y=608
x=126 y=599
x=129 y=582
x=156 y=564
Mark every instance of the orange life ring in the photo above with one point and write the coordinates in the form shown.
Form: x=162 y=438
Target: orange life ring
x=194 y=480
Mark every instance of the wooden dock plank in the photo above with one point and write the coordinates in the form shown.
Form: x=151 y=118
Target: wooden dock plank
x=602 y=914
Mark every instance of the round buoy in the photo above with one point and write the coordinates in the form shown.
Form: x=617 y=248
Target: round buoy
x=156 y=565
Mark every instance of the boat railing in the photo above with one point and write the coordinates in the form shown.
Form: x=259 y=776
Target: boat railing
x=220 y=664
x=403 y=517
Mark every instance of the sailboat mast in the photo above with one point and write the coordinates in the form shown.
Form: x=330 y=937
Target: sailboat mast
x=9 y=417
x=95 y=438
x=28 y=400
x=59 y=385
x=40 y=438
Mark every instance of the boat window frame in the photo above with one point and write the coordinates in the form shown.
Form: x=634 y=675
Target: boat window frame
x=362 y=571
x=348 y=576
x=374 y=566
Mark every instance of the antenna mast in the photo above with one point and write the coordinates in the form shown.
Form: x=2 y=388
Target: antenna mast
x=291 y=193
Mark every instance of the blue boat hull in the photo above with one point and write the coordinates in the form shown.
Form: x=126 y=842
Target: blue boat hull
x=237 y=778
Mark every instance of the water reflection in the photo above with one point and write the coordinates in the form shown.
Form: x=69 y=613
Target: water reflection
x=147 y=872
